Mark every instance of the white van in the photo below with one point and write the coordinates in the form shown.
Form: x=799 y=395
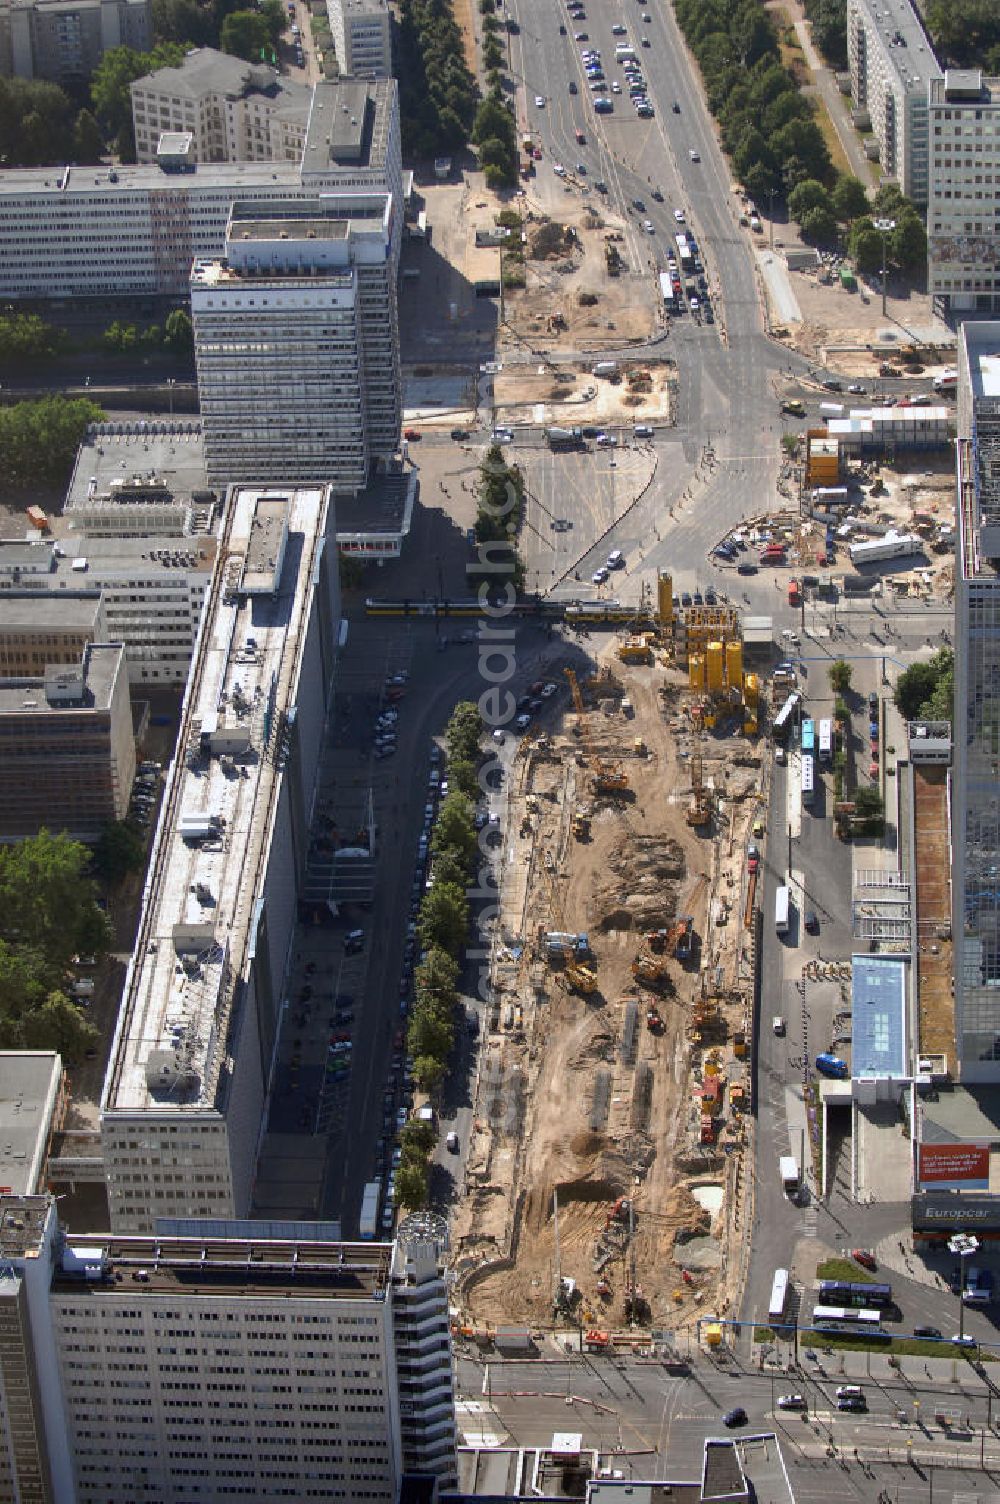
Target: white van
x=616 y=559
x=643 y=431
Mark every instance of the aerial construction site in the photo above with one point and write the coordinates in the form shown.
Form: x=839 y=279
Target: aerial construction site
x=606 y=1187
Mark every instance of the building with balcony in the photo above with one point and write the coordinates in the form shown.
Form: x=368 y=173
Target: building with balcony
x=892 y=65
x=234 y=111
x=362 y=37
x=296 y=343
x=67 y=752
x=64 y=40
x=963 y=223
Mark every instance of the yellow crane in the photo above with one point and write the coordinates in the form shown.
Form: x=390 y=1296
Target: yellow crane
x=609 y=777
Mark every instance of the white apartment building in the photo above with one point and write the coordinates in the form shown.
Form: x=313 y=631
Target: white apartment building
x=98 y=231
x=362 y=37
x=219 y=1360
x=976 y=769
x=234 y=111
x=64 y=40
x=296 y=344
x=183 y=1099
x=892 y=65
x=963 y=220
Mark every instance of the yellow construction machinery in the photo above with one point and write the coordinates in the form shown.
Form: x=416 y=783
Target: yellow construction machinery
x=581 y=825
x=609 y=777
x=579 y=979
x=637 y=648
x=651 y=970
x=700 y=810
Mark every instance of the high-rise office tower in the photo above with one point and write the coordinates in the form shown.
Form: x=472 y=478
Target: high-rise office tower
x=976 y=781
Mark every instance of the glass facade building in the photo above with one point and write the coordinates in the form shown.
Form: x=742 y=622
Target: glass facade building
x=976 y=789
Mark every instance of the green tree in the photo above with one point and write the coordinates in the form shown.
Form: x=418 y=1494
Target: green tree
x=428 y=1073
x=246 y=34
x=462 y=775
x=849 y=198
x=120 y=850
x=39 y=440
x=411 y=1186
x=26 y=979
x=417 y=1138
x=751 y=150
x=801 y=142
x=58 y=1025
x=926 y=689
x=47 y=902
x=437 y=974
x=840 y=675
x=761 y=180
x=185 y=21
x=109 y=87
x=88 y=143
x=178 y=334
x=908 y=241
x=444 y=917
x=809 y=194
x=465 y=732
x=453 y=829
x=36 y=123
x=829 y=29
x=864 y=245
x=818 y=227
x=430 y=1034
x=26 y=337
x=963 y=30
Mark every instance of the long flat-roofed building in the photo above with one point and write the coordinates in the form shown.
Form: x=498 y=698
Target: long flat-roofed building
x=111 y=231
x=296 y=342
x=975 y=806
x=183 y=1098
x=67 y=750
x=219 y=1360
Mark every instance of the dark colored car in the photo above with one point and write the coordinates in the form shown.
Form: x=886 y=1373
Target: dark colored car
x=735 y=1417
x=746 y=568
x=811 y=922
x=927 y=1331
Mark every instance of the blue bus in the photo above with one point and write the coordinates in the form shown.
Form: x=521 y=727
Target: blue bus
x=808 y=737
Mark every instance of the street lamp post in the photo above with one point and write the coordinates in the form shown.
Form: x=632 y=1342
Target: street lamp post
x=962 y=1245
x=885 y=227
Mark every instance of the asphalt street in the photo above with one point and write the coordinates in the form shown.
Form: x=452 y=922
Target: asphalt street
x=930 y=1420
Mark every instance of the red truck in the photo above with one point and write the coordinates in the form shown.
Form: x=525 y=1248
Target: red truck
x=794 y=593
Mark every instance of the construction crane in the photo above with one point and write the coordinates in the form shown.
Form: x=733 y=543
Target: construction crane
x=609 y=777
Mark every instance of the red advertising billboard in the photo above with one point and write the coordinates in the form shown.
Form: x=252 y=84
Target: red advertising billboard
x=964 y=1167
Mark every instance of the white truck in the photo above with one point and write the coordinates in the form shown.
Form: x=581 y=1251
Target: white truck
x=892 y=546
x=947 y=381
x=368 y=1221
x=788 y=1168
